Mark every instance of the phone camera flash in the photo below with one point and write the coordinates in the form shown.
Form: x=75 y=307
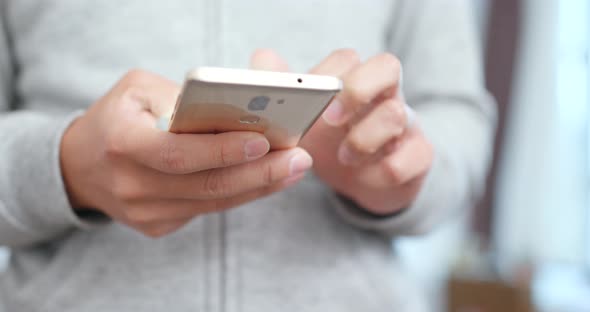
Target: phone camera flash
x=249 y=119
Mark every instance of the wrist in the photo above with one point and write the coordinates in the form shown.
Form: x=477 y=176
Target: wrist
x=69 y=157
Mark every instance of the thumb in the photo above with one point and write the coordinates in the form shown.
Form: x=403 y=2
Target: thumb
x=267 y=59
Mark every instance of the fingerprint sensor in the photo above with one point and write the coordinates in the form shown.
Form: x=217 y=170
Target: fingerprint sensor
x=249 y=119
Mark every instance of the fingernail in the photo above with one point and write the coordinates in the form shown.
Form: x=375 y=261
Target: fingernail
x=346 y=156
x=256 y=148
x=334 y=113
x=300 y=163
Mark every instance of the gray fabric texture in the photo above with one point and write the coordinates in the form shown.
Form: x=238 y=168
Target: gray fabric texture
x=300 y=250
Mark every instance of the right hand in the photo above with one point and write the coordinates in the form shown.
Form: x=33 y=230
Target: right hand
x=115 y=160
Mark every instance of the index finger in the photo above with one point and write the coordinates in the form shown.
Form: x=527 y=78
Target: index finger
x=157 y=95
x=186 y=153
x=338 y=63
x=378 y=78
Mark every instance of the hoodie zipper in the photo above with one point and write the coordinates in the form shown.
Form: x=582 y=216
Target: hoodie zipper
x=213 y=33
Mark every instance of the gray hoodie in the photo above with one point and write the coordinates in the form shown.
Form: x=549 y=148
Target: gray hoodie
x=299 y=250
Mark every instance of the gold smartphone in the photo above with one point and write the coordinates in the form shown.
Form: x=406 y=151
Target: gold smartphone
x=282 y=106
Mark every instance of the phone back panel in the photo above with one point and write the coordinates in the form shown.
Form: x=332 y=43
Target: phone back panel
x=283 y=115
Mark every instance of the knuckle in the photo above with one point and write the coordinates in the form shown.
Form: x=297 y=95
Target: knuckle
x=135 y=75
x=268 y=175
x=348 y=56
x=356 y=90
x=114 y=146
x=395 y=113
x=172 y=158
x=389 y=61
x=132 y=93
x=216 y=184
x=126 y=189
x=357 y=142
x=222 y=154
x=395 y=172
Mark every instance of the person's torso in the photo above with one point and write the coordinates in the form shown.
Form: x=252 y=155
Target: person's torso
x=70 y=52
x=288 y=252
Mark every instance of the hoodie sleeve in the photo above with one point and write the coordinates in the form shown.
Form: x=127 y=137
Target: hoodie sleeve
x=34 y=206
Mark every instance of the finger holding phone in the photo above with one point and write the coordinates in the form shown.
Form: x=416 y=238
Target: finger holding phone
x=367 y=146
x=115 y=160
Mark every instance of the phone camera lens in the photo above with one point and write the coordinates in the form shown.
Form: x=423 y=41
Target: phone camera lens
x=258 y=103
x=299 y=80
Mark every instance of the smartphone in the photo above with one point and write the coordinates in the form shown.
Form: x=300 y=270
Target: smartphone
x=282 y=106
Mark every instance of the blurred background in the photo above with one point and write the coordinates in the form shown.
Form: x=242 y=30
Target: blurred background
x=528 y=243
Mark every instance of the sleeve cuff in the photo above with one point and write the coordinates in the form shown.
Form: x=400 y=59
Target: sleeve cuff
x=41 y=197
x=65 y=211
x=415 y=219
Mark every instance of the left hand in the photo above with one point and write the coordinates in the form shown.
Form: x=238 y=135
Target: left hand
x=364 y=147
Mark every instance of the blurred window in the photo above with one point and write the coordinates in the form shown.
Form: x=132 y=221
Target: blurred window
x=573 y=101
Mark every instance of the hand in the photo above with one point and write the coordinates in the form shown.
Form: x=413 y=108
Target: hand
x=363 y=147
x=115 y=160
